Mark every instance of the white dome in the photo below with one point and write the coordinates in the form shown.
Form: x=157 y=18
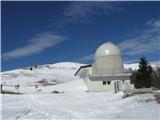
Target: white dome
x=107 y=49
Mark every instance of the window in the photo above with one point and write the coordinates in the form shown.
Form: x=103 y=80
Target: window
x=108 y=82
x=104 y=82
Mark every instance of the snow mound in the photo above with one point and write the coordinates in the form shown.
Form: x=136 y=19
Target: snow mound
x=73 y=102
x=72 y=65
x=41 y=74
x=135 y=66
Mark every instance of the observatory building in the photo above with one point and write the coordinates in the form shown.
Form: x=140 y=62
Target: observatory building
x=107 y=71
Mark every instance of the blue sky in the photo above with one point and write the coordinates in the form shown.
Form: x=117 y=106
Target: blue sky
x=47 y=32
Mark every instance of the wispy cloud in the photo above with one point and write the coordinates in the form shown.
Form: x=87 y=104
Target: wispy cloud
x=35 y=45
x=145 y=43
x=82 y=12
x=155 y=23
x=86 y=58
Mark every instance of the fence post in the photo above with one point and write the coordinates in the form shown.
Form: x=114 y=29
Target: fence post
x=1 y=87
x=18 y=87
x=36 y=86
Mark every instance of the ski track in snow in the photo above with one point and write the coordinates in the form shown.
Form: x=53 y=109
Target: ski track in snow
x=34 y=106
x=82 y=105
x=26 y=111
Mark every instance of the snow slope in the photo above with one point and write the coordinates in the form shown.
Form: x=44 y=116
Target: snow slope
x=43 y=75
x=135 y=66
x=73 y=101
x=50 y=73
x=76 y=103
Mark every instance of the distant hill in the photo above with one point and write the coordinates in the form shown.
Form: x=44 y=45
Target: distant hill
x=42 y=74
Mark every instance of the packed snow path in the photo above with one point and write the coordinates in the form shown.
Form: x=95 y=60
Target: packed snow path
x=76 y=103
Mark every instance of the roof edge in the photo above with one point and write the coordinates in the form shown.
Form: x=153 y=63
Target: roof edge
x=81 y=68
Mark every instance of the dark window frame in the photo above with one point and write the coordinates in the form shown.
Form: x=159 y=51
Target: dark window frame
x=104 y=82
x=108 y=82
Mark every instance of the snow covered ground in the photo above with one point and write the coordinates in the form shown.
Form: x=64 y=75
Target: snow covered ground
x=73 y=101
x=52 y=73
x=76 y=103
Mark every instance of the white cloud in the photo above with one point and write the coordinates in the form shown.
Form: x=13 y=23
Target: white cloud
x=86 y=58
x=83 y=11
x=36 y=45
x=147 y=42
x=149 y=22
x=155 y=23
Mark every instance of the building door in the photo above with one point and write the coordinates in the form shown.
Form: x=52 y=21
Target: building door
x=117 y=86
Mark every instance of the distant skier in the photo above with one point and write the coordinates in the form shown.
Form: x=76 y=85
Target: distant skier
x=31 y=68
x=36 y=66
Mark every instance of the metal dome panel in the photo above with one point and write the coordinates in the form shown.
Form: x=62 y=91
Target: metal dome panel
x=107 y=49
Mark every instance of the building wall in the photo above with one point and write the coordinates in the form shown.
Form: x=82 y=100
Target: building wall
x=97 y=86
x=115 y=85
x=108 y=65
